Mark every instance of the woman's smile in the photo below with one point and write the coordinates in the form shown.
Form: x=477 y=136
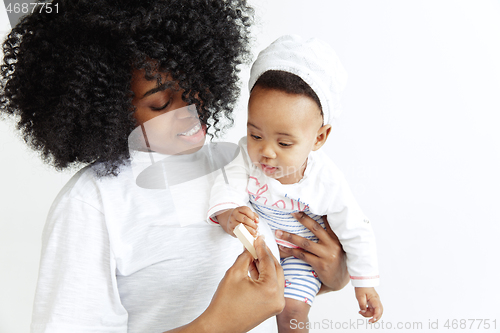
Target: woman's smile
x=195 y=134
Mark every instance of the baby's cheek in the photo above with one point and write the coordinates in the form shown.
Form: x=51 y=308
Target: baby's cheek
x=254 y=156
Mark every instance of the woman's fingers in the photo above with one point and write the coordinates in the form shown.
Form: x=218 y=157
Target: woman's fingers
x=252 y=269
x=266 y=267
x=270 y=274
x=266 y=263
x=301 y=242
x=326 y=257
x=241 y=266
x=241 y=302
x=310 y=224
x=309 y=258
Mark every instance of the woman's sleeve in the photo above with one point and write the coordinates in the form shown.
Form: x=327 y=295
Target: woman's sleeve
x=77 y=289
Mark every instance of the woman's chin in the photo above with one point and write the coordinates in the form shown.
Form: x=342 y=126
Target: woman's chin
x=191 y=150
x=179 y=149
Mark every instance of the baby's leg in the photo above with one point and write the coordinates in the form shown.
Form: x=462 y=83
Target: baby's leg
x=301 y=286
x=294 y=317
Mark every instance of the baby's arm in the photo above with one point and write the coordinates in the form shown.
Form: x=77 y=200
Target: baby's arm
x=369 y=303
x=356 y=236
x=229 y=219
x=229 y=190
x=354 y=231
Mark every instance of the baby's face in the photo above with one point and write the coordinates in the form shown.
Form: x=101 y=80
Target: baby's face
x=282 y=129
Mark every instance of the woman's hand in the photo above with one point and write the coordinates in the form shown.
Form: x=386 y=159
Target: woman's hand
x=326 y=256
x=242 y=302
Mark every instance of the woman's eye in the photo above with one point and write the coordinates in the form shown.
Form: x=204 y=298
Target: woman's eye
x=161 y=107
x=282 y=144
x=255 y=137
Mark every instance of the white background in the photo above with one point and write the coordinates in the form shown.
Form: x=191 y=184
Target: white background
x=418 y=143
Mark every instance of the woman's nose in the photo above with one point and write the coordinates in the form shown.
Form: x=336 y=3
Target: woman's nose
x=186 y=111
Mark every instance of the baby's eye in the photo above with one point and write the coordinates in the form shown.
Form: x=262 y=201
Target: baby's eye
x=282 y=144
x=256 y=137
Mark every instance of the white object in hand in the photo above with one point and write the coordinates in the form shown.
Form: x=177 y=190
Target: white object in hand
x=246 y=238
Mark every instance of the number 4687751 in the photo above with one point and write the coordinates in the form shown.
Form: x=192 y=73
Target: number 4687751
x=471 y=324
x=31 y=7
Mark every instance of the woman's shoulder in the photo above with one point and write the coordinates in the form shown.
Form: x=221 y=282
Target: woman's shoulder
x=87 y=184
x=82 y=186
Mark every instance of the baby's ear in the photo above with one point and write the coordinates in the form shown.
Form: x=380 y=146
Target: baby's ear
x=321 y=136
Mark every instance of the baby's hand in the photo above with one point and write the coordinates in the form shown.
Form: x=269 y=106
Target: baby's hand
x=369 y=303
x=243 y=214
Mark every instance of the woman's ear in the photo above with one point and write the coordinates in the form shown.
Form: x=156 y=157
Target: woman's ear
x=321 y=136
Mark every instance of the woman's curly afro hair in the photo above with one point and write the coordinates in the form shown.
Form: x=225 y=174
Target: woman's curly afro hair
x=67 y=75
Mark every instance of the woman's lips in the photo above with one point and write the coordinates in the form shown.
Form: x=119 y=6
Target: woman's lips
x=192 y=130
x=195 y=134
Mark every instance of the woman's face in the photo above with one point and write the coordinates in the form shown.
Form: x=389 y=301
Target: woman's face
x=168 y=124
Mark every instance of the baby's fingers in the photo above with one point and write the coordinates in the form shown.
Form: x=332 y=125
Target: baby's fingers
x=362 y=303
x=367 y=313
x=365 y=310
x=250 y=223
x=244 y=210
x=377 y=309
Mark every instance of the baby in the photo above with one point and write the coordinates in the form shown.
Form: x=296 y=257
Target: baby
x=295 y=89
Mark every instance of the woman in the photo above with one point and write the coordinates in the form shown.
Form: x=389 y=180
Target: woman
x=117 y=256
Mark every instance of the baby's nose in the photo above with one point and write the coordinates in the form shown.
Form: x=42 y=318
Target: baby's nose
x=268 y=152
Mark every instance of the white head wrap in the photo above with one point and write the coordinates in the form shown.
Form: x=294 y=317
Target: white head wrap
x=314 y=61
